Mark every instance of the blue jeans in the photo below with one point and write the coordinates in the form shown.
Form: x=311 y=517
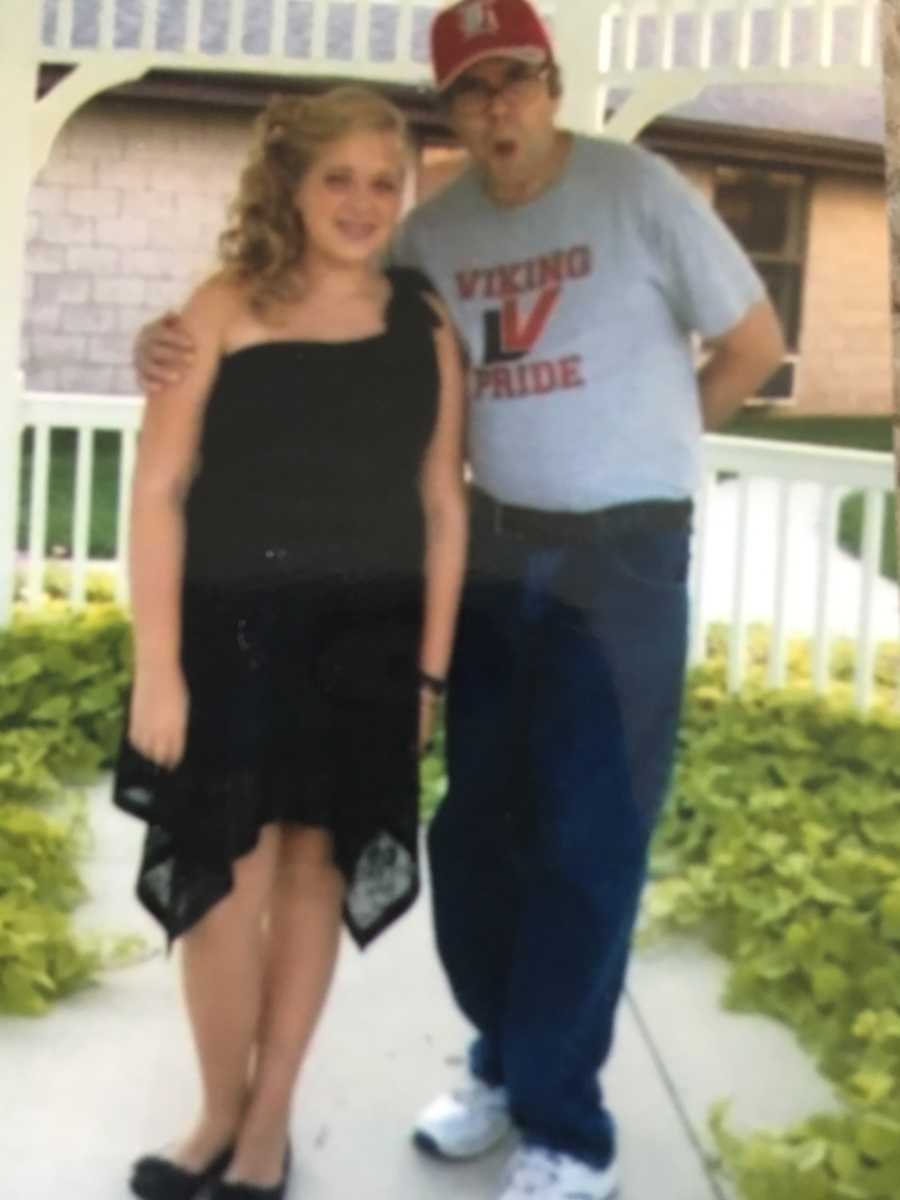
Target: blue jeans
x=562 y=718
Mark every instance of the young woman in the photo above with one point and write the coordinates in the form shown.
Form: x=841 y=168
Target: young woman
x=298 y=543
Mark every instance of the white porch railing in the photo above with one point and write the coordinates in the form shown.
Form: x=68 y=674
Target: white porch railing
x=767 y=551
x=748 y=535
x=662 y=52
x=42 y=413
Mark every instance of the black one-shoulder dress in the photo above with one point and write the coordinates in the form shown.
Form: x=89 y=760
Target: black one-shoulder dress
x=301 y=619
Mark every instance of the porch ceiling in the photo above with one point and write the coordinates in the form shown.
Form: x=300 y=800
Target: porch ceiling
x=637 y=58
x=730 y=38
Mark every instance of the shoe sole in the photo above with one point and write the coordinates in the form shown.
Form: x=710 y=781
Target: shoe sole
x=427 y=1144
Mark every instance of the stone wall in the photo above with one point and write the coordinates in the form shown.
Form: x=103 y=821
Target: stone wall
x=124 y=220
x=845 y=339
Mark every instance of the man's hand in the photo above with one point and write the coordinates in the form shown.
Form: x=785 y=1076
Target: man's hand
x=163 y=351
x=742 y=359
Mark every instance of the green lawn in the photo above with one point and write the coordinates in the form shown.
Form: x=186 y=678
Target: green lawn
x=858 y=433
x=850 y=525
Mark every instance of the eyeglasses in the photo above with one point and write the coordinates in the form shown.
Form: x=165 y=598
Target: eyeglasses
x=472 y=97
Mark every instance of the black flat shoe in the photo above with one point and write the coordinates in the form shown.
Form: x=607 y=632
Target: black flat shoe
x=249 y=1191
x=156 y=1178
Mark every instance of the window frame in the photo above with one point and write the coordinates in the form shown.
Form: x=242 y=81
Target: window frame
x=798 y=185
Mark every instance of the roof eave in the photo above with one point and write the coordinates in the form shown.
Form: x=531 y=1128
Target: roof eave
x=682 y=137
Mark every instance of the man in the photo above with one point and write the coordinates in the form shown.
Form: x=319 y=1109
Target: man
x=577 y=271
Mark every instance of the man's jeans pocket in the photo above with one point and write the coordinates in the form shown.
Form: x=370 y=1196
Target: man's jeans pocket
x=653 y=558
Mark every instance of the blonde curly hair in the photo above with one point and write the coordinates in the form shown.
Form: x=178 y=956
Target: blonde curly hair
x=264 y=239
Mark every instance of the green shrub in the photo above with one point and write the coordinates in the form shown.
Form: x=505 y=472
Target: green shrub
x=781 y=848
x=64 y=678
x=841 y=663
x=61 y=692
x=56 y=583
x=850 y=526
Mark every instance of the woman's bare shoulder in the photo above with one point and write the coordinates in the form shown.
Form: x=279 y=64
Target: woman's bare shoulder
x=213 y=310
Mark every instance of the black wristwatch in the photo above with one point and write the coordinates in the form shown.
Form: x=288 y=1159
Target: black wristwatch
x=432 y=683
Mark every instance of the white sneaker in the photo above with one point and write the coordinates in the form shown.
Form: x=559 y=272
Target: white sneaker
x=541 y=1174
x=464 y=1123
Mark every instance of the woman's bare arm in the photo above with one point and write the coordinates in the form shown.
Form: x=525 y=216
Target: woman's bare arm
x=444 y=502
x=173 y=420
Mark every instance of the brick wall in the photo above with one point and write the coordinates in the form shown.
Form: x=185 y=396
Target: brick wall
x=124 y=220
x=845 y=363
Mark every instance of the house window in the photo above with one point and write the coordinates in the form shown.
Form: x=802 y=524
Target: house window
x=767 y=213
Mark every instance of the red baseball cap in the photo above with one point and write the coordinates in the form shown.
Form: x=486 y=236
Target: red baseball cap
x=472 y=30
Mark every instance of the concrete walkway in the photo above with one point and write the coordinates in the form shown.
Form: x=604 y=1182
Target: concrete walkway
x=108 y=1074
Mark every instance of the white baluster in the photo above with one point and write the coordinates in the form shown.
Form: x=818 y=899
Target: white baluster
x=81 y=517
x=149 y=23
x=107 y=30
x=319 y=34
x=127 y=455
x=361 y=18
x=778 y=647
x=743 y=41
x=278 y=43
x=607 y=39
x=703 y=33
x=404 y=30
x=37 y=512
x=193 y=25
x=784 y=18
x=873 y=524
x=65 y=24
x=631 y=40
x=699 y=545
x=737 y=634
x=867 y=30
x=665 y=38
x=827 y=540
x=235 y=38
x=823 y=35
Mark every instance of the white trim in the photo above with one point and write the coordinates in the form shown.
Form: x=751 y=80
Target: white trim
x=18 y=53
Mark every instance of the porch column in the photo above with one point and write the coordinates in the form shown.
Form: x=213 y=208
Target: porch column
x=18 y=68
x=890 y=28
x=577 y=31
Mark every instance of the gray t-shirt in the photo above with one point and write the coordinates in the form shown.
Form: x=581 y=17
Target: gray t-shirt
x=577 y=312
